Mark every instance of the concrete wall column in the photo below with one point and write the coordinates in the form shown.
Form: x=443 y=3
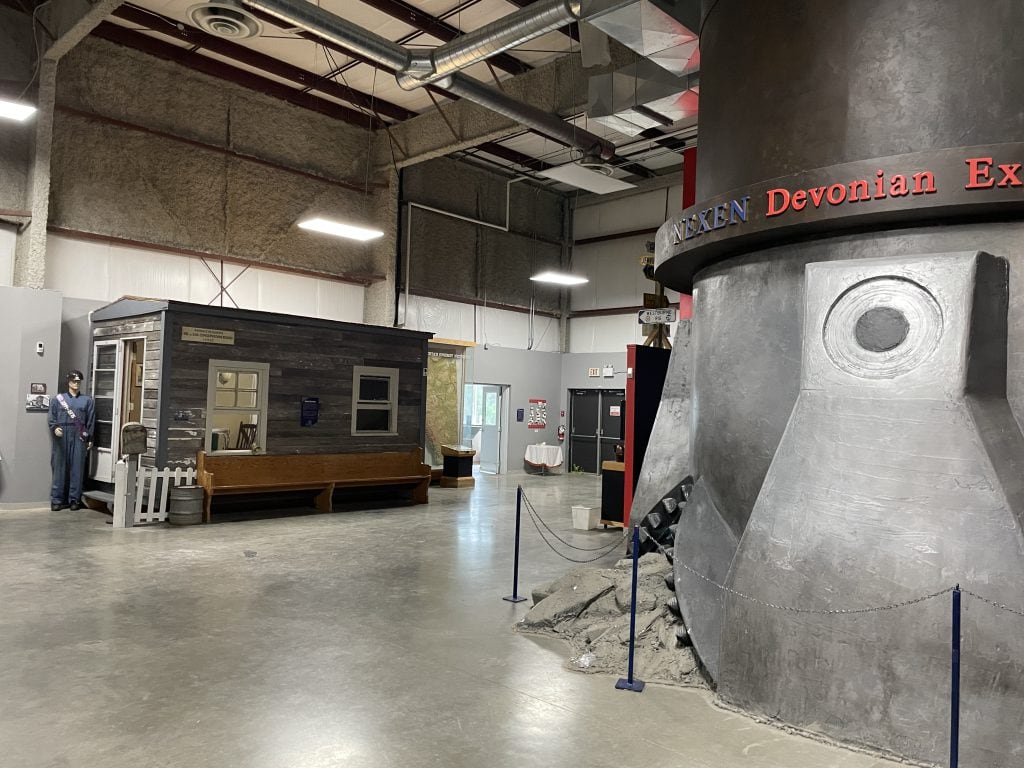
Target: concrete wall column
x=30 y=255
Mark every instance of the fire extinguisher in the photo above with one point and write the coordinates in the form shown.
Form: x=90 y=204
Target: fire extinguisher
x=561 y=433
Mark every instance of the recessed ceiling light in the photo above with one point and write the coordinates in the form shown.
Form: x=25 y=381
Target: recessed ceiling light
x=13 y=110
x=338 y=229
x=559 y=278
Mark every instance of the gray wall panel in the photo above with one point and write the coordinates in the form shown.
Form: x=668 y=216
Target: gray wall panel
x=29 y=316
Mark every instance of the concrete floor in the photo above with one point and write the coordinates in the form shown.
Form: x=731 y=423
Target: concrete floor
x=370 y=638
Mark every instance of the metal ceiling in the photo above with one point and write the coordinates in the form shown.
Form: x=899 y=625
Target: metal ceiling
x=298 y=67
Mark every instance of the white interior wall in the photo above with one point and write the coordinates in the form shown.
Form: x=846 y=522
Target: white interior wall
x=483 y=325
x=613 y=266
x=85 y=269
x=607 y=333
x=8 y=238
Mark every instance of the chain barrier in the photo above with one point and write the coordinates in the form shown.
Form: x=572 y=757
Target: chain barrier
x=605 y=549
x=993 y=603
x=532 y=510
x=538 y=521
x=817 y=611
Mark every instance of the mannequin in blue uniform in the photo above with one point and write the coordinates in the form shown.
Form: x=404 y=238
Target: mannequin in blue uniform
x=72 y=421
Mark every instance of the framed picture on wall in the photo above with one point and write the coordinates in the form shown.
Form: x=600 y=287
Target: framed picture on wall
x=37 y=388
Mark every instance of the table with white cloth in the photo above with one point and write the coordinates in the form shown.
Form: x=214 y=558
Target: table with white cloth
x=543 y=456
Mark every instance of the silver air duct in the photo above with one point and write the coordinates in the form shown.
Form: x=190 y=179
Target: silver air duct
x=390 y=55
x=659 y=30
x=642 y=96
x=473 y=47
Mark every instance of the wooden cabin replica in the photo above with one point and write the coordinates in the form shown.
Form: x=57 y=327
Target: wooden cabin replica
x=258 y=401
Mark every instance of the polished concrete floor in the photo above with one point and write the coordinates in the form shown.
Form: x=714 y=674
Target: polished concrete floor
x=356 y=639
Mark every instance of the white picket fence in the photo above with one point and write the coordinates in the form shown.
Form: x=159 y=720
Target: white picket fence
x=141 y=493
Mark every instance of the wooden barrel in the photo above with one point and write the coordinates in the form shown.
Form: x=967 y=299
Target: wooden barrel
x=185 y=505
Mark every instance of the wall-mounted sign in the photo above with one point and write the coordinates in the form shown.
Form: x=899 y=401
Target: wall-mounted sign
x=614 y=410
x=667 y=315
x=609 y=371
x=935 y=186
x=309 y=413
x=37 y=388
x=520 y=414
x=207 y=335
x=593 y=372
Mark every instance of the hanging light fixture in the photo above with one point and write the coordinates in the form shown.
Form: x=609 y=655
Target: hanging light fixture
x=340 y=229
x=559 y=278
x=16 y=110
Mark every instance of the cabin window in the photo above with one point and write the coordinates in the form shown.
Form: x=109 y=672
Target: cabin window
x=374 y=401
x=236 y=399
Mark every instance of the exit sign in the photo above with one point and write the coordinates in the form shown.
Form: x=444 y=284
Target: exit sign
x=593 y=372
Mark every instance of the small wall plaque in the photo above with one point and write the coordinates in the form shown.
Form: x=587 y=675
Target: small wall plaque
x=207 y=335
x=310 y=411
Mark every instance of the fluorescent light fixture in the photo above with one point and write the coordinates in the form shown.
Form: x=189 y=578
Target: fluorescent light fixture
x=584 y=178
x=12 y=110
x=559 y=278
x=338 y=229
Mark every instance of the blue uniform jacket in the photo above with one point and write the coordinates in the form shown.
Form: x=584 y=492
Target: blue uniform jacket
x=84 y=423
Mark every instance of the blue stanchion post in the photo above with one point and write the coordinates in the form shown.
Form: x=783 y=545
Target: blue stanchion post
x=954 y=704
x=629 y=683
x=514 y=597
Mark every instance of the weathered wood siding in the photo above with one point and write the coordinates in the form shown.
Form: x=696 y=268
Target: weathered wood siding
x=305 y=361
x=150 y=327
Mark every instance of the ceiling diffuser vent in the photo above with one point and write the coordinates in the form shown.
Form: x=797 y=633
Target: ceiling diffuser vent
x=225 y=18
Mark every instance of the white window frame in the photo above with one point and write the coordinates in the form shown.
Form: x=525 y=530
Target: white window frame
x=263 y=387
x=391 y=405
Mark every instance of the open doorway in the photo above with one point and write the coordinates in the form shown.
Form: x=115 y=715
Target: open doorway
x=483 y=425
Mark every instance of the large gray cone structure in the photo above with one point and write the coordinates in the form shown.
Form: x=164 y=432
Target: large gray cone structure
x=899 y=474
x=667 y=459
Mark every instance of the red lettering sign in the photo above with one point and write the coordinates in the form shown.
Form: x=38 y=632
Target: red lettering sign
x=978 y=170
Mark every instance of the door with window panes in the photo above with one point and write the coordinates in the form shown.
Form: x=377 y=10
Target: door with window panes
x=106 y=373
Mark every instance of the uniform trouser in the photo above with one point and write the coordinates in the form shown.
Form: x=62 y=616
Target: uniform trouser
x=67 y=460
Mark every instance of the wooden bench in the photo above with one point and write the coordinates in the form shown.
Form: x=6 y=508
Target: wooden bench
x=316 y=471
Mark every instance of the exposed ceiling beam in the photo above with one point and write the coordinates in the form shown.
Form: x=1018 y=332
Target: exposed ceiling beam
x=188 y=57
x=302 y=34
x=442 y=30
x=571 y=31
x=71 y=21
x=513 y=156
x=16 y=5
x=170 y=52
x=197 y=37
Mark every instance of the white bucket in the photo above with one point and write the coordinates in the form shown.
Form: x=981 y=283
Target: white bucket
x=585 y=518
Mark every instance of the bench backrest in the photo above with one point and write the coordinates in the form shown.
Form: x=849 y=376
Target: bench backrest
x=309 y=468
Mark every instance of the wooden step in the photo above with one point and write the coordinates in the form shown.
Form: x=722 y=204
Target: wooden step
x=101 y=501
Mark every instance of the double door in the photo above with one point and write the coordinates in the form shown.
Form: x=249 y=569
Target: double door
x=595 y=426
